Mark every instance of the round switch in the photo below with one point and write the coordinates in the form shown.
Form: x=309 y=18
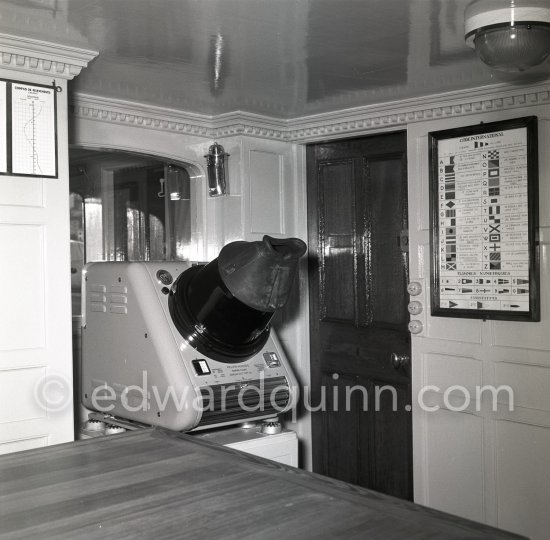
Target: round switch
x=414 y=288
x=164 y=277
x=415 y=308
x=415 y=327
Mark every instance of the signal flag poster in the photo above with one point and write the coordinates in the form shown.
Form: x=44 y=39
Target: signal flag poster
x=484 y=221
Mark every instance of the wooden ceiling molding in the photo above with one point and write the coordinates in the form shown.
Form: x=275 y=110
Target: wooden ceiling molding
x=345 y=123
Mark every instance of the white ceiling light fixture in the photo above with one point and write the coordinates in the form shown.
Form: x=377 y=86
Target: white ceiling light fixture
x=509 y=35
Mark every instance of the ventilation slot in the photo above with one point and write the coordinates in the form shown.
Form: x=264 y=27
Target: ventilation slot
x=240 y=401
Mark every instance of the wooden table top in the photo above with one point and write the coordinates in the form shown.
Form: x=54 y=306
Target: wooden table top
x=155 y=484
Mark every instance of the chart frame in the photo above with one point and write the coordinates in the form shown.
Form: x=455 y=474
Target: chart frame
x=530 y=137
x=8 y=128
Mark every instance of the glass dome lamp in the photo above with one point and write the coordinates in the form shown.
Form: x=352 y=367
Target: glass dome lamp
x=509 y=35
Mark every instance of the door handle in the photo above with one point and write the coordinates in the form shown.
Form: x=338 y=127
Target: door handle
x=400 y=360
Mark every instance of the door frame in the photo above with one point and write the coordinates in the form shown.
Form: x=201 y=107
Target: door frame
x=313 y=347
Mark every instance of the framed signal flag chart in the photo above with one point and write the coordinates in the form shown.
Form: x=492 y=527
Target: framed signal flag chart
x=484 y=221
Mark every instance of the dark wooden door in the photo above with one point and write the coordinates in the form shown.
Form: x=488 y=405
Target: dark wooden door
x=357 y=208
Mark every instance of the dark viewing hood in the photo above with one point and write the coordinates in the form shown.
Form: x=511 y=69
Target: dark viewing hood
x=224 y=308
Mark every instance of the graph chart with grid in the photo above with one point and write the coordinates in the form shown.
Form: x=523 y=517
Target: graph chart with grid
x=33 y=130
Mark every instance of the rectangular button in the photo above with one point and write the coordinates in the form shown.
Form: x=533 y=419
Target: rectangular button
x=96 y=306
x=119 y=299
x=96 y=287
x=97 y=297
x=201 y=367
x=121 y=310
x=272 y=360
x=121 y=289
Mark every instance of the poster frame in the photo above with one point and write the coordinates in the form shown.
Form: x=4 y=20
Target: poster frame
x=8 y=131
x=530 y=123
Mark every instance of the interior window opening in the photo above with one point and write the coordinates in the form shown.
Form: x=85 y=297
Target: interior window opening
x=128 y=207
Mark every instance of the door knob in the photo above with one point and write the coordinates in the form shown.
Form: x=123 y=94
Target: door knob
x=399 y=360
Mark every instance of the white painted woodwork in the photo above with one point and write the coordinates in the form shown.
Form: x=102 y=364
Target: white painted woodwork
x=444 y=431
x=357 y=121
x=266 y=192
x=521 y=477
x=280 y=447
x=23 y=444
x=25 y=326
x=480 y=464
x=35 y=319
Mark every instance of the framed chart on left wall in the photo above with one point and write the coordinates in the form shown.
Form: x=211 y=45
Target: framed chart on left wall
x=28 y=119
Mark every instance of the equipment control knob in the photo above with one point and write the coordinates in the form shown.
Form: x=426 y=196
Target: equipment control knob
x=94 y=425
x=270 y=427
x=414 y=288
x=415 y=327
x=415 y=307
x=111 y=429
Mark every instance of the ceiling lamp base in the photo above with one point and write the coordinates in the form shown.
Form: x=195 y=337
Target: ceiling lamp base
x=513 y=38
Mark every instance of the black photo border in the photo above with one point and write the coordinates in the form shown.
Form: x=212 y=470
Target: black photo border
x=530 y=123
x=8 y=128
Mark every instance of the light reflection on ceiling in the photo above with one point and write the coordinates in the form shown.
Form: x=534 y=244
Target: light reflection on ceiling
x=281 y=58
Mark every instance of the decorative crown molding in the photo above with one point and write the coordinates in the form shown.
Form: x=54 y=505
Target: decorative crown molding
x=397 y=114
x=144 y=116
x=343 y=123
x=42 y=57
x=163 y=119
x=250 y=124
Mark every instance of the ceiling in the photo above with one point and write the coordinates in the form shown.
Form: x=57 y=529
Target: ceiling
x=280 y=58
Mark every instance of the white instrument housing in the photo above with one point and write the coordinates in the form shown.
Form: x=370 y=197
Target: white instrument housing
x=136 y=365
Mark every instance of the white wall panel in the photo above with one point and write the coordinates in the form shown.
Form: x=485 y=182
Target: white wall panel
x=530 y=384
x=455 y=458
x=22 y=317
x=266 y=192
x=23 y=444
x=469 y=331
x=22 y=192
x=17 y=400
x=232 y=218
x=529 y=335
x=441 y=369
x=523 y=478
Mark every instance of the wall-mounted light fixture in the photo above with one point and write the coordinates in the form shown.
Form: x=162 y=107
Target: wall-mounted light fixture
x=509 y=35
x=216 y=170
